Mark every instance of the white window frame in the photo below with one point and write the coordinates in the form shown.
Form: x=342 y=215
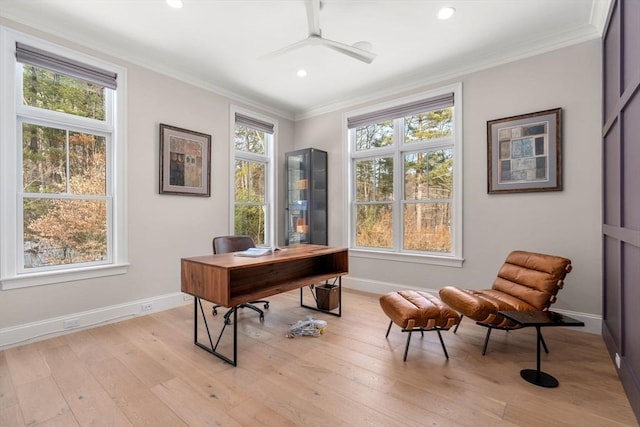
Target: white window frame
x=12 y=273
x=268 y=159
x=455 y=258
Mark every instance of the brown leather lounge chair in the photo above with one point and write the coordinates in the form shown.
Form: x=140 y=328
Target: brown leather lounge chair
x=526 y=282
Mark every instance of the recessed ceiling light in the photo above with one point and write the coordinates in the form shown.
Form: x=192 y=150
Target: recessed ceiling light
x=446 y=13
x=176 y=4
x=301 y=73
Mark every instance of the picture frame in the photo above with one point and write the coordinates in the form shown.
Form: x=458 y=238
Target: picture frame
x=185 y=162
x=524 y=153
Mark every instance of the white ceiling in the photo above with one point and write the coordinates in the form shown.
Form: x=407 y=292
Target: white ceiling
x=220 y=44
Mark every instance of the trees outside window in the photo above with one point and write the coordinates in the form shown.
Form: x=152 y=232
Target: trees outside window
x=403 y=175
x=64 y=194
x=64 y=167
x=252 y=178
x=64 y=199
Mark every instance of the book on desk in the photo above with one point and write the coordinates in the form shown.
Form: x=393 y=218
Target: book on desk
x=257 y=252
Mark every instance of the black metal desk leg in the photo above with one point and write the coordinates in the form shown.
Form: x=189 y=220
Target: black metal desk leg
x=340 y=296
x=235 y=337
x=198 y=303
x=212 y=348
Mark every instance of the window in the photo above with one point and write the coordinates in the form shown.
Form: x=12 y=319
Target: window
x=252 y=182
x=405 y=171
x=62 y=166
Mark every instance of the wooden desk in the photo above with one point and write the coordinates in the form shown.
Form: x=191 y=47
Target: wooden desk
x=230 y=280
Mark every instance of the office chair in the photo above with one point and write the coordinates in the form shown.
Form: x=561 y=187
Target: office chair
x=225 y=244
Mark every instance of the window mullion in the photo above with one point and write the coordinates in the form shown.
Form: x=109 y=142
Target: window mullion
x=398 y=187
x=67 y=158
x=56 y=118
x=374 y=152
x=252 y=157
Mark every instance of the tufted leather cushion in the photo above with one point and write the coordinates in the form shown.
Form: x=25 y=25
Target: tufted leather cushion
x=526 y=282
x=415 y=309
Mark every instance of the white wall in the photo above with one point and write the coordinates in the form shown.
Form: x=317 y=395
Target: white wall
x=161 y=228
x=565 y=223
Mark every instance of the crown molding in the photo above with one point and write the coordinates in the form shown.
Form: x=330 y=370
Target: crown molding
x=600 y=14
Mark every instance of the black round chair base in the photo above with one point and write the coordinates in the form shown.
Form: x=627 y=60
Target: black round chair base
x=539 y=378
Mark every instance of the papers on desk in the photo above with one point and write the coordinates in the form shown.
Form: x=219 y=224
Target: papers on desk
x=256 y=252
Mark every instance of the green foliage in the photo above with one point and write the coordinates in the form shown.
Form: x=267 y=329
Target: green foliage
x=63 y=162
x=43 y=159
x=57 y=92
x=374 y=179
x=430 y=125
x=428 y=174
x=250 y=185
x=374 y=135
x=250 y=220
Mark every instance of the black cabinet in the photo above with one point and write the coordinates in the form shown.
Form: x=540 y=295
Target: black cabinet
x=306 y=215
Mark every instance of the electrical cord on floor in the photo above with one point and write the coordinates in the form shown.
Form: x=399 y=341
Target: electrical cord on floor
x=309 y=327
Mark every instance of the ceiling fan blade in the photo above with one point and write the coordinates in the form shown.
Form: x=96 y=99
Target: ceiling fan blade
x=354 y=52
x=293 y=46
x=313 y=16
x=315 y=38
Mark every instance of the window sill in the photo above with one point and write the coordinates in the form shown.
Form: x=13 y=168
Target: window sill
x=50 y=277
x=445 y=261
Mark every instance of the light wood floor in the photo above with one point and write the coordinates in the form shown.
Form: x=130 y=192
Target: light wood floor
x=147 y=371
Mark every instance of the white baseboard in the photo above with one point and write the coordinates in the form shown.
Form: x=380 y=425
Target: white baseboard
x=592 y=322
x=49 y=328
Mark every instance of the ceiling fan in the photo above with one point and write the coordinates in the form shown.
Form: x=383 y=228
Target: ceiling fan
x=359 y=50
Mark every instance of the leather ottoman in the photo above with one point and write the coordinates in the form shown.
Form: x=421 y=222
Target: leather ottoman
x=415 y=311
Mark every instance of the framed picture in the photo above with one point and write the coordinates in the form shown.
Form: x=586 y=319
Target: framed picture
x=524 y=153
x=185 y=162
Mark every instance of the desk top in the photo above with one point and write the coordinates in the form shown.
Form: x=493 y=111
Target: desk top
x=540 y=318
x=286 y=253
